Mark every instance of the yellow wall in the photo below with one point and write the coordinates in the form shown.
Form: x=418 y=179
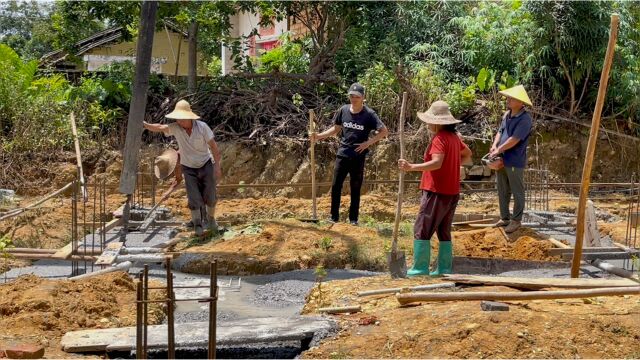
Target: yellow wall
x=162 y=49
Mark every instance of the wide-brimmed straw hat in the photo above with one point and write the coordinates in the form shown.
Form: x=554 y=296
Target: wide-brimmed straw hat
x=182 y=112
x=165 y=164
x=438 y=114
x=517 y=92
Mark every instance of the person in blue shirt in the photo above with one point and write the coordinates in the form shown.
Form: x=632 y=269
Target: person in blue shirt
x=511 y=143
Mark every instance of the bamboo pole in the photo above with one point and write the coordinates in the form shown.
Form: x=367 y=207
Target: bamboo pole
x=76 y=143
x=312 y=130
x=591 y=147
x=529 y=295
x=396 y=224
x=20 y=211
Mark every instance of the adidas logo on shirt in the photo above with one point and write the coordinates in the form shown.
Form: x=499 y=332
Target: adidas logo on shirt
x=354 y=126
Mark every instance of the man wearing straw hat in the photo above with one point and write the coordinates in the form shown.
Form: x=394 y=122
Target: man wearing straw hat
x=200 y=169
x=511 y=143
x=440 y=185
x=356 y=122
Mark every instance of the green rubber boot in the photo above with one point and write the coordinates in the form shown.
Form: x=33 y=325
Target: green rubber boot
x=421 y=258
x=445 y=259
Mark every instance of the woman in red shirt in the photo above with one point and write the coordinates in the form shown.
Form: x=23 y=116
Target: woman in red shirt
x=440 y=187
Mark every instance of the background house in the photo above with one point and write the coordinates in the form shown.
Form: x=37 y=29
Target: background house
x=169 y=54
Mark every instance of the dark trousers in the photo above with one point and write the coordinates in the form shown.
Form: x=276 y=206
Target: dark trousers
x=201 y=186
x=435 y=216
x=354 y=167
x=511 y=181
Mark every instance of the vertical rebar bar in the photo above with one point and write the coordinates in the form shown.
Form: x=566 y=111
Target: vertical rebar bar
x=213 y=307
x=141 y=175
x=145 y=312
x=139 y=303
x=93 y=218
x=171 y=353
x=74 y=226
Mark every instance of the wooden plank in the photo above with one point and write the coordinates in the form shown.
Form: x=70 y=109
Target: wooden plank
x=477 y=221
x=117 y=213
x=110 y=253
x=409 y=289
x=569 y=250
x=559 y=244
x=248 y=331
x=110 y=225
x=592 y=235
x=617 y=255
x=340 y=310
x=526 y=295
x=540 y=283
x=64 y=252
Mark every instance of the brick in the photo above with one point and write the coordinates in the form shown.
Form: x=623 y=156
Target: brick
x=23 y=351
x=493 y=306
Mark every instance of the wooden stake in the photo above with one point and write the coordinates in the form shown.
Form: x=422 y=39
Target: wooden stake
x=76 y=142
x=312 y=130
x=591 y=147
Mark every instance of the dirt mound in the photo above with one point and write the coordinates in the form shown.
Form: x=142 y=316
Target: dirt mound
x=33 y=309
x=525 y=244
x=49 y=226
x=289 y=244
x=604 y=327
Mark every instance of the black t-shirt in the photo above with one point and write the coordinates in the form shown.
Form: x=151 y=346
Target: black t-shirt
x=355 y=129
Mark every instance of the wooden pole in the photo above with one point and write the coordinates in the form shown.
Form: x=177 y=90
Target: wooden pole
x=20 y=211
x=138 y=97
x=76 y=142
x=528 y=295
x=591 y=147
x=396 y=225
x=312 y=130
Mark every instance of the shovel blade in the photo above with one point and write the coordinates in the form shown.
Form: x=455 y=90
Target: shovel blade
x=397 y=262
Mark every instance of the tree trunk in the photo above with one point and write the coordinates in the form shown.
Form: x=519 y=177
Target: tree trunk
x=193 y=56
x=138 y=97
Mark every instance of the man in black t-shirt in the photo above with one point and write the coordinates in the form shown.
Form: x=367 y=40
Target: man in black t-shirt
x=356 y=121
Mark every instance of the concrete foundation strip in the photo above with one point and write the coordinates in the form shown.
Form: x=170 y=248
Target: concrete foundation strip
x=404 y=299
x=120 y=267
x=239 y=332
x=415 y=288
x=599 y=263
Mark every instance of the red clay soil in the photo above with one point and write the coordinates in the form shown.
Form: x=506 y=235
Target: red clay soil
x=603 y=327
x=35 y=310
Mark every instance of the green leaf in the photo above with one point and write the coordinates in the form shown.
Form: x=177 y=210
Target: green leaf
x=481 y=80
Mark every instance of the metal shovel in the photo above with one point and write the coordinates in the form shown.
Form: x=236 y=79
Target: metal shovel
x=396 y=259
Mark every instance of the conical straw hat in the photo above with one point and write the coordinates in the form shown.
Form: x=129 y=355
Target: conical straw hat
x=517 y=92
